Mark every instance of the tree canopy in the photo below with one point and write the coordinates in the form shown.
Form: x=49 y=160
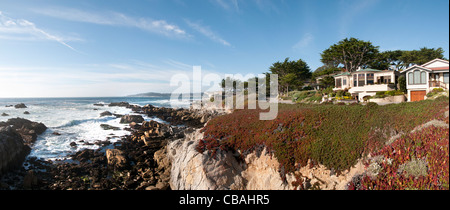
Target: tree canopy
x=402 y=59
x=351 y=53
x=291 y=74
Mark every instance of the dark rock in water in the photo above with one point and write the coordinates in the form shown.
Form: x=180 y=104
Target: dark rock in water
x=102 y=143
x=9 y=106
x=73 y=144
x=4 y=114
x=56 y=133
x=121 y=104
x=26 y=112
x=118 y=115
x=105 y=113
x=25 y=128
x=20 y=106
x=109 y=127
x=131 y=118
x=99 y=104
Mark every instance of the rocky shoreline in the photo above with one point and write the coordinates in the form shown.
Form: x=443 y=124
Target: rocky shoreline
x=136 y=162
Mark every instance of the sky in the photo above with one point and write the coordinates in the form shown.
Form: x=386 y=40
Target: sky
x=90 y=48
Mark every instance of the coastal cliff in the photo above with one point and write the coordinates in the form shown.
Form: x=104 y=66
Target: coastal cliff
x=259 y=170
x=220 y=167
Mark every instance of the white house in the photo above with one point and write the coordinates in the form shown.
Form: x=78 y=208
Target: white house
x=422 y=79
x=366 y=82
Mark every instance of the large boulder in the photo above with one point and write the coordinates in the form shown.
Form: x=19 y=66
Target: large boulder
x=116 y=158
x=120 y=104
x=131 y=118
x=105 y=113
x=12 y=149
x=27 y=129
x=20 y=106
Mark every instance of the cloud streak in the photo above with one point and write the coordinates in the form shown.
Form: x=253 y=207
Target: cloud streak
x=207 y=32
x=90 y=80
x=351 y=11
x=304 y=42
x=114 y=19
x=26 y=30
x=228 y=4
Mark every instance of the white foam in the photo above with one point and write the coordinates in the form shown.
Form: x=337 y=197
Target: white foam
x=75 y=122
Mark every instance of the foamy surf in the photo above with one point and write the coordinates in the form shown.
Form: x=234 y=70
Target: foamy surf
x=74 y=124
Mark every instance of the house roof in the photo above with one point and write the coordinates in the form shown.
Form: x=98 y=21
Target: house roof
x=435 y=60
x=430 y=69
x=342 y=74
x=439 y=68
x=414 y=67
x=371 y=70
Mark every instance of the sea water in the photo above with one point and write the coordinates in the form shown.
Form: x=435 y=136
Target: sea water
x=76 y=120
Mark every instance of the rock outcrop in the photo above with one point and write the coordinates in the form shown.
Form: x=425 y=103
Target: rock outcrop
x=20 y=106
x=27 y=129
x=191 y=117
x=191 y=170
x=131 y=118
x=12 y=149
x=16 y=136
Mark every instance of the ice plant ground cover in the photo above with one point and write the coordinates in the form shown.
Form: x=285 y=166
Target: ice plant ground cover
x=416 y=161
x=333 y=135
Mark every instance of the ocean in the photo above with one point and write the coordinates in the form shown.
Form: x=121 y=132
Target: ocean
x=76 y=120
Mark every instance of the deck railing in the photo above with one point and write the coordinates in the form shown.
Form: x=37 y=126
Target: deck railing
x=437 y=84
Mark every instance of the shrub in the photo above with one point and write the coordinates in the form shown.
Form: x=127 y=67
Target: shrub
x=380 y=93
x=434 y=92
x=415 y=167
x=390 y=93
x=402 y=83
x=340 y=93
x=328 y=91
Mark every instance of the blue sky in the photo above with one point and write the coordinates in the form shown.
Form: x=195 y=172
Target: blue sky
x=52 y=48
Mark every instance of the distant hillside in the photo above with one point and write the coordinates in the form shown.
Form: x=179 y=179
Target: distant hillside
x=151 y=94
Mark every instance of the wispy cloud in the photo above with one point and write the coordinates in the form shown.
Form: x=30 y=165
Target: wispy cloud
x=351 y=10
x=114 y=19
x=206 y=31
x=21 y=29
x=267 y=6
x=304 y=42
x=228 y=4
x=110 y=79
x=178 y=65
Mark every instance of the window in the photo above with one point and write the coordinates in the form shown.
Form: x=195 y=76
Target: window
x=417 y=77
x=355 y=80
x=344 y=81
x=338 y=83
x=410 y=78
x=423 y=78
x=370 y=79
x=361 y=80
x=446 y=78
